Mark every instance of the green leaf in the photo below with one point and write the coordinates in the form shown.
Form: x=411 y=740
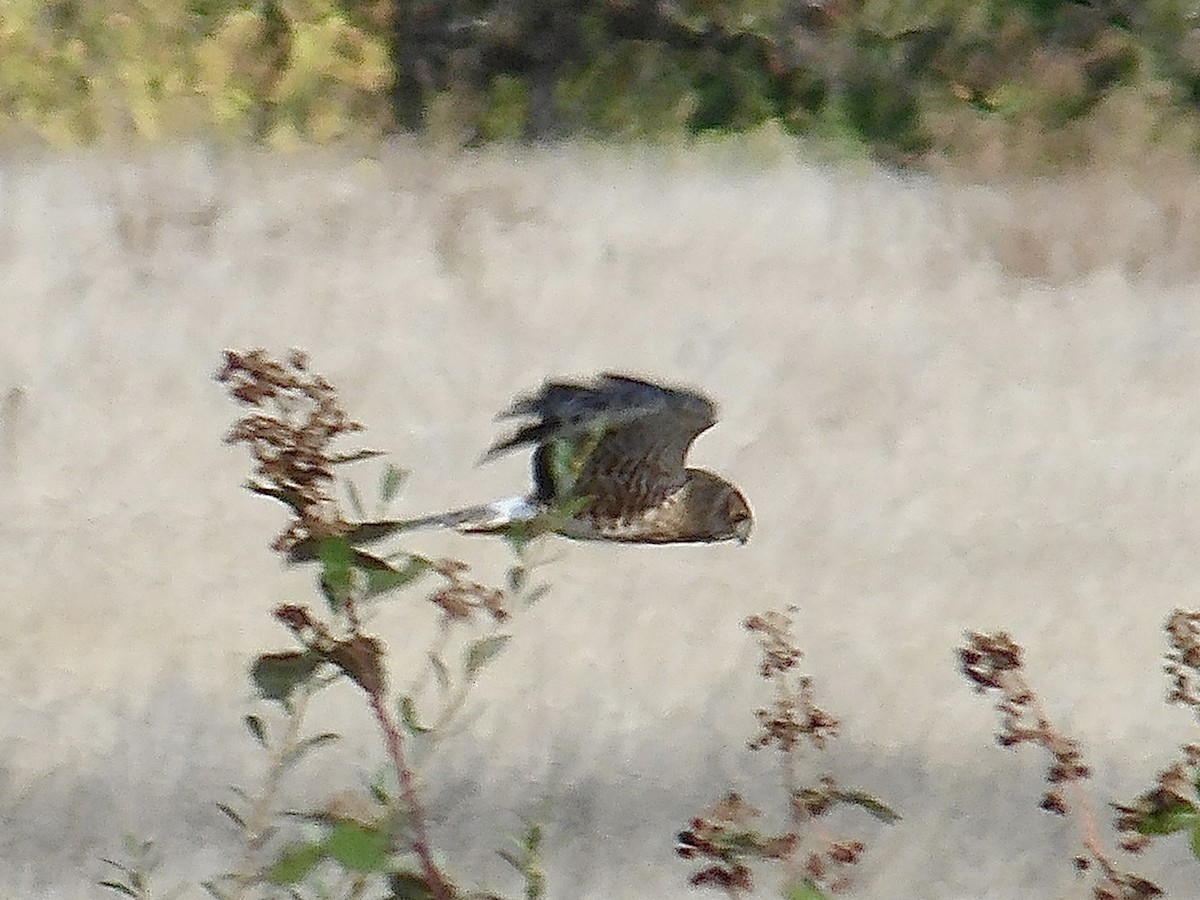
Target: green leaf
x=337 y=567
x=339 y=459
x=483 y=651
x=533 y=837
x=380 y=792
x=408 y=885
x=287 y=497
x=536 y=594
x=381 y=580
x=362 y=533
x=119 y=888
x=806 y=890
x=440 y=672
x=232 y=814
x=1169 y=819
x=873 y=805
x=518 y=536
x=516 y=578
x=277 y=675
x=358 y=847
x=125 y=870
x=214 y=891
x=374 y=532
x=528 y=862
x=355 y=498
x=408 y=714
x=257 y=729
x=309 y=744
x=295 y=862
x=390 y=482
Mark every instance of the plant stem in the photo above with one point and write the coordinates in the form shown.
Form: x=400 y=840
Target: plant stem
x=420 y=838
x=260 y=814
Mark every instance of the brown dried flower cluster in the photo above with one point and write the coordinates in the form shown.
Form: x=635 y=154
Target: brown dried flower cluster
x=297 y=418
x=825 y=868
x=994 y=662
x=460 y=597
x=726 y=835
x=1183 y=659
x=1171 y=805
x=794 y=714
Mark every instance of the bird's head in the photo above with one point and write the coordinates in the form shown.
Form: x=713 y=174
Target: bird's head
x=738 y=515
x=720 y=511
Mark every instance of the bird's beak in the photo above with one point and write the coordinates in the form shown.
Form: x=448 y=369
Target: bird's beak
x=742 y=530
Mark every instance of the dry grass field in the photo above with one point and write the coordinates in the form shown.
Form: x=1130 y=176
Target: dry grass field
x=952 y=407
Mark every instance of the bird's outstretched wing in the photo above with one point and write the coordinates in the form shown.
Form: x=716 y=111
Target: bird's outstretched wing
x=608 y=464
x=617 y=440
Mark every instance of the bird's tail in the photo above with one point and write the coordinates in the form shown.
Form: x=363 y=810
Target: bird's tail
x=486 y=517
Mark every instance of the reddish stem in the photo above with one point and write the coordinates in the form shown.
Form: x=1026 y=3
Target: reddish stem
x=420 y=838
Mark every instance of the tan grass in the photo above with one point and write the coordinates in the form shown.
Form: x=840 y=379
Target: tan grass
x=952 y=407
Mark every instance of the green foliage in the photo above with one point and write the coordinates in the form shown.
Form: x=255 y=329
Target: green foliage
x=357 y=847
x=871 y=804
x=295 y=862
x=733 y=92
x=133 y=879
x=276 y=676
x=382 y=580
x=1171 y=806
x=805 y=890
x=482 y=651
x=1170 y=819
x=390 y=481
x=506 y=110
x=257 y=728
x=526 y=858
x=408 y=885
x=408 y=715
x=337 y=570
x=903 y=78
x=74 y=72
x=634 y=90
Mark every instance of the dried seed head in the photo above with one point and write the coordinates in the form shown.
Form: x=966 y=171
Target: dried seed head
x=296 y=418
x=1183 y=658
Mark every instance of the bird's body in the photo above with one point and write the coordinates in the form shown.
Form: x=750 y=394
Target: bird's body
x=608 y=465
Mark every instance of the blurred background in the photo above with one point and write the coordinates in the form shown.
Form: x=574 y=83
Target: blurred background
x=937 y=262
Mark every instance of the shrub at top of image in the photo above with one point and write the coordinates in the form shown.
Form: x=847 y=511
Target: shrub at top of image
x=904 y=81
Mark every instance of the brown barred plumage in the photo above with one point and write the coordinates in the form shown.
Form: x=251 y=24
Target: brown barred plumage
x=621 y=443
x=608 y=465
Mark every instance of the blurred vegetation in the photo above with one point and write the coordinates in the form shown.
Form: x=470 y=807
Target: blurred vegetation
x=908 y=81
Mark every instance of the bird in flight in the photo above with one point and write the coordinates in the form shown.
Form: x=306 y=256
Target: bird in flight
x=609 y=465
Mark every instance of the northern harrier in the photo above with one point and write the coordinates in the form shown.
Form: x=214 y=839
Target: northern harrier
x=608 y=464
